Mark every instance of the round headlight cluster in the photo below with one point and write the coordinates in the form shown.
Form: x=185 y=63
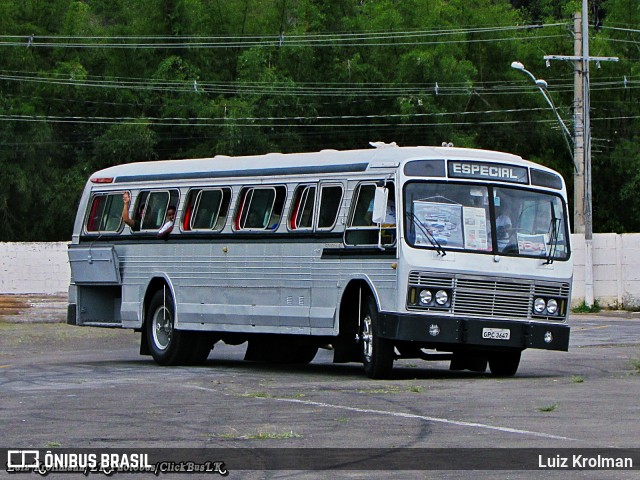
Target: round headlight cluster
x=552 y=306
x=543 y=305
x=442 y=297
x=425 y=297
x=428 y=297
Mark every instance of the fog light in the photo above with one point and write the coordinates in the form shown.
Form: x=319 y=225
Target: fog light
x=442 y=297
x=425 y=297
x=539 y=305
x=548 y=337
x=552 y=306
x=434 y=330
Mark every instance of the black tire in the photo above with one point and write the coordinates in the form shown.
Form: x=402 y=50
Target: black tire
x=504 y=364
x=468 y=361
x=377 y=352
x=278 y=350
x=202 y=344
x=167 y=345
x=304 y=354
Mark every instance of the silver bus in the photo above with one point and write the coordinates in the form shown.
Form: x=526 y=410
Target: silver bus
x=437 y=253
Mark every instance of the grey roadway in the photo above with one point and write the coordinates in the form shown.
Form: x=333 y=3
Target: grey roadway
x=71 y=387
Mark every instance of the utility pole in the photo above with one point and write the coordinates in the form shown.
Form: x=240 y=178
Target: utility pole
x=589 y=297
x=578 y=130
x=583 y=141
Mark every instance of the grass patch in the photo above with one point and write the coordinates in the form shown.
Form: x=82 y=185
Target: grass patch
x=577 y=379
x=549 y=408
x=273 y=435
x=52 y=445
x=393 y=389
x=294 y=395
x=258 y=436
x=256 y=395
x=584 y=308
x=635 y=363
x=382 y=391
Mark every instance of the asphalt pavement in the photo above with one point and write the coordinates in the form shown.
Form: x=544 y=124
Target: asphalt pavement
x=64 y=387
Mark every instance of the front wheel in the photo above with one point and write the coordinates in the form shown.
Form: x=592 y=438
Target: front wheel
x=168 y=346
x=377 y=352
x=504 y=364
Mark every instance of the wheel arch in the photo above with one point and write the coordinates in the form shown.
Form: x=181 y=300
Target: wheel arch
x=345 y=346
x=157 y=282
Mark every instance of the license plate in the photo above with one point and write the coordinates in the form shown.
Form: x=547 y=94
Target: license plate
x=496 y=333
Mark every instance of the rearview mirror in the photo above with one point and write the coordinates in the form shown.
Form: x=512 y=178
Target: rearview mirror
x=380 y=205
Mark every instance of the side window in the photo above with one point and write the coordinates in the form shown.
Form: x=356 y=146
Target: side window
x=330 y=198
x=360 y=229
x=207 y=209
x=301 y=216
x=105 y=213
x=362 y=206
x=260 y=208
x=152 y=208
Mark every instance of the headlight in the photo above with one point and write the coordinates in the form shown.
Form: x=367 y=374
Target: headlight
x=425 y=297
x=539 y=305
x=442 y=297
x=552 y=306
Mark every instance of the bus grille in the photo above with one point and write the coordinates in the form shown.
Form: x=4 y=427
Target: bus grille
x=485 y=297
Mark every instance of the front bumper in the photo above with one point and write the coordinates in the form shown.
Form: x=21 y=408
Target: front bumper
x=458 y=332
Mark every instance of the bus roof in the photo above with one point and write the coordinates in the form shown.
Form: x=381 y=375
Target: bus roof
x=383 y=155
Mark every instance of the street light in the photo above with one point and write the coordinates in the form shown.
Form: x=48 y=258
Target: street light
x=543 y=86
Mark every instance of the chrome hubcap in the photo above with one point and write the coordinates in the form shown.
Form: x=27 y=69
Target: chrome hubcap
x=162 y=328
x=367 y=338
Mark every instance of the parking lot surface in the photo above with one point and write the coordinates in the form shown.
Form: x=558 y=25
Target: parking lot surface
x=78 y=387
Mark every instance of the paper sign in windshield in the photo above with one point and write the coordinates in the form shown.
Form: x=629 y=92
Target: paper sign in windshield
x=442 y=220
x=532 y=244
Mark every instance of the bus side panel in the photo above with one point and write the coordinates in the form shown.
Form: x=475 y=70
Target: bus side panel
x=241 y=287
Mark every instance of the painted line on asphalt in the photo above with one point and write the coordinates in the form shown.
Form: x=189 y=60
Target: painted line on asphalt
x=406 y=415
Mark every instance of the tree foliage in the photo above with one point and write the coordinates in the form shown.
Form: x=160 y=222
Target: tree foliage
x=86 y=84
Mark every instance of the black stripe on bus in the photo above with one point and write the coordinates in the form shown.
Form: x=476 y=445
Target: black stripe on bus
x=258 y=172
x=359 y=252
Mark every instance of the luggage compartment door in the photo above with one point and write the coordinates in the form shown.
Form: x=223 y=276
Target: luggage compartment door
x=94 y=266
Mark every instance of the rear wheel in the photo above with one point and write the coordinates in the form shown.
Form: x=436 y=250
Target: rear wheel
x=377 y=352
x=504 y=364
x=468 y=361
x=167 y=345
x=304 y=354
x=273 y=349
x=202 y=344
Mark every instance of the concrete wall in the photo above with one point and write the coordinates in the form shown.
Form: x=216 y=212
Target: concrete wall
x=43 y=268
x=34 y=268
x=616 y=270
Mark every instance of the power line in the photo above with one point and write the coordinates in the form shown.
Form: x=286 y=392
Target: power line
x=385 y=38
x=301 y=89
x=252 y=121
x=630 y=30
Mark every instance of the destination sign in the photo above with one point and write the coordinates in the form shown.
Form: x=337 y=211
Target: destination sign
x=488 y=171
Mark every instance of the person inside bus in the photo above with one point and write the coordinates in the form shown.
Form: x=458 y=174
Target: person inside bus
x=503 y=227
x=390 y=215
x=170 y=219
x=134 y=223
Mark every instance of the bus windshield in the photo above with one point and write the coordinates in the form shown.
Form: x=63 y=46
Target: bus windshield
x=459 y=216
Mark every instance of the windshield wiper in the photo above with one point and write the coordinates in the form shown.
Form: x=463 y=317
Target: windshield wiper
x=554 y=227
x=427 y=233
